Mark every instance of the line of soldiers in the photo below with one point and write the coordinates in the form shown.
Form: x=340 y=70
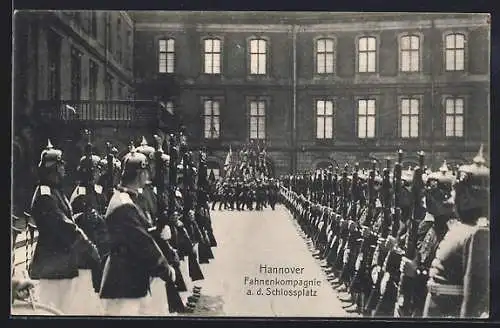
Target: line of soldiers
x=133 y=235
x=239 y=193
x=403 y=243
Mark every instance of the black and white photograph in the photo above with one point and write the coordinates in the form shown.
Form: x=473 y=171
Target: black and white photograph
x=250 y=164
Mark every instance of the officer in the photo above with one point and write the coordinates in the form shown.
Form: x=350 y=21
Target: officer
x=134 y=255
x=459 y=274
x=88 y=204
x=60 y=240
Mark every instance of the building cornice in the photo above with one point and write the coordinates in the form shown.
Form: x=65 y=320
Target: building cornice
x=127 y=18
x=477 y=21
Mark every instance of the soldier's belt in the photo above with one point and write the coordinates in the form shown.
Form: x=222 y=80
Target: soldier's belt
x=440 y=289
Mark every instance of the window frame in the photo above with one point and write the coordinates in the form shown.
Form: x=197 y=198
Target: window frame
x=445 y=49
x=221 y=54
x=316 y=116
x=54 y=83
x=266 y=101
x=267 y=55
x=76 y=54
x=166 y=52
x=464 y=101
x=358 y=52
x=420 y=37
x=410 y=97
x=220 y=100
x=376 y=128
x=334 y=54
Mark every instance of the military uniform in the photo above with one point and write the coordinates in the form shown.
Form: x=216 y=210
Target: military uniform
x=60 y=240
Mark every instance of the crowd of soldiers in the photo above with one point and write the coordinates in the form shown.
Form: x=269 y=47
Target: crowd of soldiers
x=399 y=243
x=131 y=238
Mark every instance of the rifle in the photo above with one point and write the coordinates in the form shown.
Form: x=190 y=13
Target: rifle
x=407 y=284
x=110 y=169
x=380 y=253
x=175 y=303
x=343 y=231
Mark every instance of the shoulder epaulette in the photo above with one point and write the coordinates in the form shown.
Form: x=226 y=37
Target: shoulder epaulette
x=45 y=190
x=81 y=190
x=98 y=189
x=483 y=222
x=155 y=190
x=140 y=190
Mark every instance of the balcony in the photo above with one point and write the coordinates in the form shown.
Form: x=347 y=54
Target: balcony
x=128 y=113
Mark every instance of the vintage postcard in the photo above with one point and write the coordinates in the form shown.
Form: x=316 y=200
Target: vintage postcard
x=257 y=164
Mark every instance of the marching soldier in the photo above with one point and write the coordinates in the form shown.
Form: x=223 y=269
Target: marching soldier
x=134 y=255
x=459 y=274
x=60 y=240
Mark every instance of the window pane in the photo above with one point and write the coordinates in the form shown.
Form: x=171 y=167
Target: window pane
x=262 y=128
x=329 y=108
x=459 y=126
x=171 y=45
x=415 y=63
x=262 y=64
x=208 y=46
x=208 y=63
x=362 y=126
x=329 y=127
x=329 y=45
x=208 y=107
x=405 y=42
x=321 y=63
x=320 y=107
x=216 y=64
x=262 y=46
x=405 y=126
x=253 y=108
x=405 y=107
x=459 y=60
x=363 y=62
x=163 y=45
x=450 y=106
x=449 y=126
x=405 y=61
x=372 y=44
x=321 y=46
x=459 y=41
x=261 y=108
x=215 y=108
x=320 y=131
x=162 y=64
x=415 y=42
x=216 y=46
x=450 y=60
x=329 y=63
x=450 y=41
x=363 y=44
x=414 y=106
x=371 y=62
x=362 y=107
x=216 y=127
x=371 y=107
x=254 y=64
x=414 y=127
x=459 y=106
x=370 y=133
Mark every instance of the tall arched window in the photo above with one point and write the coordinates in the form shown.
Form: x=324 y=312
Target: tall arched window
x=212 y=56
x=455 y=52
x=367 y=54
x=258 y=57
x=324 y=56
x=166 y=56
x=409 y=47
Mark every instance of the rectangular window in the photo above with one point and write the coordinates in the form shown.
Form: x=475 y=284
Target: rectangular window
x=76 y=75
x=367 y=55
x=324 y=56
x=324 y=119
x=93 y=78
x=410 y=117
x=410 y=53
x=119 y=40
x=108 y=87
x=212 y=55
x=257 y=119
x=54 y=67
x=366 y=118
x=211 y=118
x=166 y=56
x=258 y=56
x=454 y=117
x=455 y=52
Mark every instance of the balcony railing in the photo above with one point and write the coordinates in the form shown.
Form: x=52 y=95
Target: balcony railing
x=128 y=112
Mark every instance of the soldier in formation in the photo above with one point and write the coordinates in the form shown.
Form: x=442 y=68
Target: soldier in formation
x=133 y=235
x=399 y=243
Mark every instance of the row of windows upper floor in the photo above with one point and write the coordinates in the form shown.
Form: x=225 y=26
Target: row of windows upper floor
x=325 y=52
